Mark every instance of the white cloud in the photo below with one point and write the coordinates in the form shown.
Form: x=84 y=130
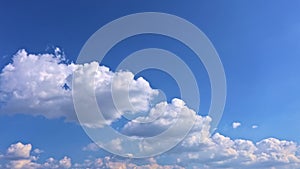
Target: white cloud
x=32 y=84
x=199 y=150
x=37 y=85
x=22 y=164
x=38 y=151
x=140 y=93
x=236 y=125
x=219 y=151
x=109 y=162
x=40 y=85
x=19 y=150
x=19 y=156
x=160 y=117
x=254 y=126
x=65 y=162
x=52 y=163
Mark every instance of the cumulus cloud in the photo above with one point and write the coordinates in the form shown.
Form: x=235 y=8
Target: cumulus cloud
x=19 y=156
x=19 y=150
x=160 y=117
x=65 y=162
x=32 y=84
x=236 y=125
x=254 y=126
x=112 y=104
x=52 y=163
x=41 y=85
x=200 y=150
x=109 y=162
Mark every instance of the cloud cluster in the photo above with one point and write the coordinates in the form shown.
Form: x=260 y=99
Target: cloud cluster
x=20 y=156
x=110 y=162
x=220 y=151
x=194 y=152
x=41 y=85
x=200 y=150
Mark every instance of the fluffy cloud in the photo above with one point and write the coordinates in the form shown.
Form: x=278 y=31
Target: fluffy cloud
x=65 y=162
x=200 y=150
x=32 y=84
x=129 y=96
x=236 y=125
x=160 y=117
x=19 y=150
x=42 y=85
x=19 y=156
x=109 y=162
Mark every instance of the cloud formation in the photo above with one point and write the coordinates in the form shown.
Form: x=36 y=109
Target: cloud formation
x=236 y=125
x=109 y=162
x=41 y=85
x=200 y=150
x=194 y=152
x=19 y=156
x=161 y=117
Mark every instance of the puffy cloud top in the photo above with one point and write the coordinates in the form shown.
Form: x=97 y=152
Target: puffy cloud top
x=42 y=85
x=19 y=150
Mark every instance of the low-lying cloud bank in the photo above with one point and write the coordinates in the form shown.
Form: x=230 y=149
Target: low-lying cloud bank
x=22 y=156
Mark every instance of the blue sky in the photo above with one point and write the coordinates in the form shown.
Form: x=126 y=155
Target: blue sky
x=258 y=43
